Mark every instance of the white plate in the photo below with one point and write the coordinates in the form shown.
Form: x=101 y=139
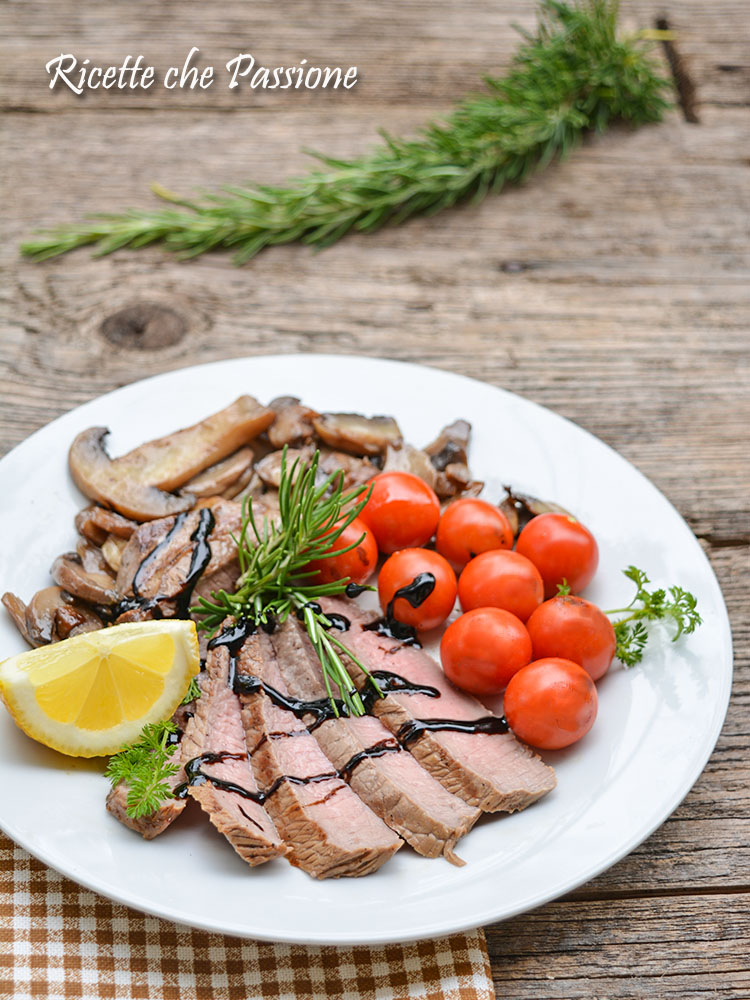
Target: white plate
x=656 y=728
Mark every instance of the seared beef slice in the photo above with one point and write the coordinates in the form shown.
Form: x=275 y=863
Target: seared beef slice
x=494 y=772
x=159 y=556
x=216 y=729
x=329 y=832
x=385 y=776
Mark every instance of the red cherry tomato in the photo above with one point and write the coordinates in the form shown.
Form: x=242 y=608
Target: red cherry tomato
x=471 y=526
x=483 y=649
x=402 y=512
x=561 y=548
x=550 y=703
x=576 y=630
x=357 y=564
x=501 y=579
x=433 y=604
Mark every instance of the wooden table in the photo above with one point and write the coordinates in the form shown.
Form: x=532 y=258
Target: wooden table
x=614 y=289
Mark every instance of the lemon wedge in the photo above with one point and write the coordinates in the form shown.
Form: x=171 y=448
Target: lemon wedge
x=90 y=695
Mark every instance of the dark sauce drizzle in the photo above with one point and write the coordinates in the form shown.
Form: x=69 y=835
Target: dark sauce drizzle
x=322 y=708
x=196 y=776
x=354 y=589
x=390 y=683
x=415 y=593
x=233 y=638
x=340 y=622
x=199 y=560
x=388 y=745
x=489 y=724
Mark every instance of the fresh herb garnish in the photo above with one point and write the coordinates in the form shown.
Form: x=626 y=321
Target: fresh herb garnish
x=146 y=766
x=675 y=604
x=275 y=579
x=192 y=692
x=575 y=75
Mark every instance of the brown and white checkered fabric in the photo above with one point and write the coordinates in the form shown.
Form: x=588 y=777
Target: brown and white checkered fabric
x=60 y=940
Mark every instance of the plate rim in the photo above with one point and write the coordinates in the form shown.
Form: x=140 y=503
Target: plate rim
x=483 y=918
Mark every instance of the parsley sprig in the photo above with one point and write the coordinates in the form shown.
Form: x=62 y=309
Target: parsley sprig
x=146 y=766
x=674 y=605
x=575 y=75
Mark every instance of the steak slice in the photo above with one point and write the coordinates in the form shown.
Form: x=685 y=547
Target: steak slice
x=492 y=771
x=152 y=824
x=165 y=560
x=387 y=778
x=328 y=830
x=219 y=775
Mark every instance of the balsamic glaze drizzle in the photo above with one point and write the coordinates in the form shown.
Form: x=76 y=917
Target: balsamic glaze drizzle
x=415 y=593
x=322 y=708
x=337 y=621
x=390 y=683
x=201 y=556
x=196 y=776
x=385 y=746
x=489 y=724
x=355 y=589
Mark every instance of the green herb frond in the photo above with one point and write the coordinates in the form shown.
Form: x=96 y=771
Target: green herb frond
x=676 y=605
x=146 y=766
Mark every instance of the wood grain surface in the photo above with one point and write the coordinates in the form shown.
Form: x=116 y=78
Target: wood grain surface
x=615 y=289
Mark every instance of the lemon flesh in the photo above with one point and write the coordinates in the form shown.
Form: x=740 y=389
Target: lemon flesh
x=90 y=695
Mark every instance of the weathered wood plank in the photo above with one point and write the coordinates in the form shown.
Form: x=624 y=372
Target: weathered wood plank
x=409 y=50
x=687 y=948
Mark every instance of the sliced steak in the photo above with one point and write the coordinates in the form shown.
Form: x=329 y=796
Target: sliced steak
x=219 y=774
x=328 y=830
x=490 y=770
x=387 y=778
x=154 y=823
x=167 y=559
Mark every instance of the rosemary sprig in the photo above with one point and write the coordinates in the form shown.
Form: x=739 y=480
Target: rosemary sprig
x=146 y=766
x=575 y=75
x=676 y=605
x=274 y=558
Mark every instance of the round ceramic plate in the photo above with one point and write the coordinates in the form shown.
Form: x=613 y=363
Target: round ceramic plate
x=657 y=722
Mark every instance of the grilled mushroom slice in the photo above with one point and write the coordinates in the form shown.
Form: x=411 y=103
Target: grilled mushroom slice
x=292 y=424
x=97 y=476
x=96 y=523
x=17 y=611
x=112 y=547
x=217 y=478
x=357 y=434
x=519 y=508
x=410 y=459
x=51 y=614
x=452 y=445
x=69 y=572
x=171 y=461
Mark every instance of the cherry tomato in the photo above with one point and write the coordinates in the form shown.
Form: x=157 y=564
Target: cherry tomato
x=550 y=703
x=483 y=649
x=471 y=526
x=402 y=512
x=576 y=630
x=358 y=563
x=561 y=548
x=433 y=603
x=501 y=579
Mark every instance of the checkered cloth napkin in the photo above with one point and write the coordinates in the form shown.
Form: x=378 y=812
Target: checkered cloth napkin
x=60 y=940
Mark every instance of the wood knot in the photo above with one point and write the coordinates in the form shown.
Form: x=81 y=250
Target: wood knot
x=144 y=326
